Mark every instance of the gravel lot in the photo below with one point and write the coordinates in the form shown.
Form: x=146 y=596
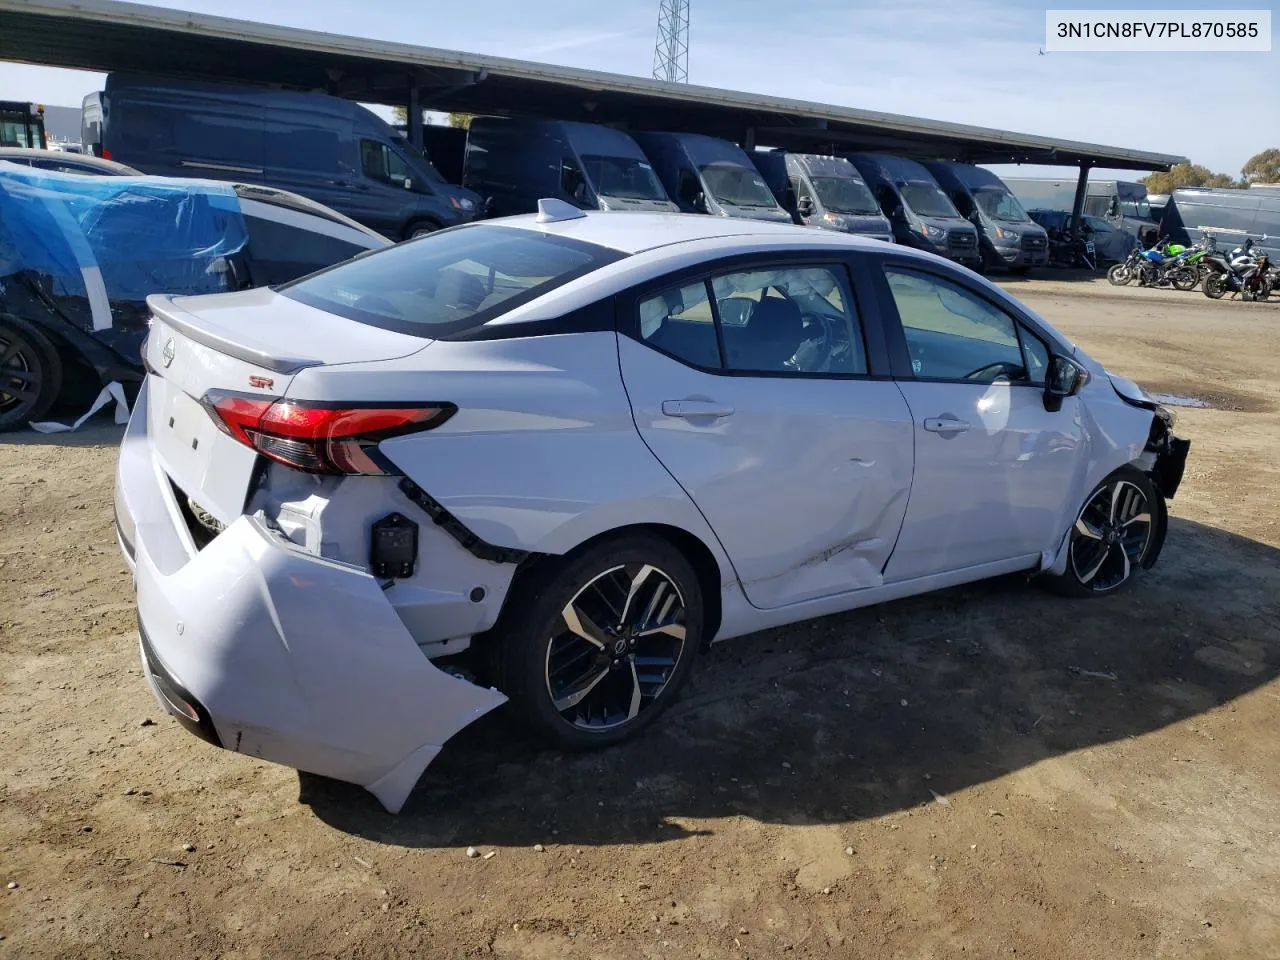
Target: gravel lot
x=985 y=772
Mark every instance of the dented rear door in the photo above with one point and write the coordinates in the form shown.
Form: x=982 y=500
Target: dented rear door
x=803 y=478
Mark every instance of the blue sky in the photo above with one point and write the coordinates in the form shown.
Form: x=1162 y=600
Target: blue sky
x=974 y=61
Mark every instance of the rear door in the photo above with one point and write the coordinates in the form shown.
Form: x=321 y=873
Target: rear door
x=755 y=386
x=993 y=469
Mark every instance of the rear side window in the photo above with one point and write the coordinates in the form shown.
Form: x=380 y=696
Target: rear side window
x=451 y=281
x=777 y=320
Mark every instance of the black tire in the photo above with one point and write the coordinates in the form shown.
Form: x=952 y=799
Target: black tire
x=420 y=228
x=533 y=651
x=1185 y=279
x=1111 y=543
x=30 y=373
x=1215 y=285
x=1119 y=275
x=1020 y=271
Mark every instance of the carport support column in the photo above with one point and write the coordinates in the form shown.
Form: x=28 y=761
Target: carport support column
x=1077 y=205
x=749 y=139
x=415 y=115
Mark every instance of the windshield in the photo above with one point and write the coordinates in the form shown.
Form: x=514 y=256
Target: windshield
x=451 y=281
x=999 y=204
x=623 y=177
x=845 y=195
x=927 y=200
x=736 y=185
x=17 y=131
x=1136 y=208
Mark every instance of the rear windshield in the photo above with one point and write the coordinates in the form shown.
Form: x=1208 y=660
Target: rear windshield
x=451 y=281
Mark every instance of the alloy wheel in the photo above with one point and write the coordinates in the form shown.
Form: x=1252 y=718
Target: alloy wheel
x=20 y=374
x=620 y=640
x=1111 y=536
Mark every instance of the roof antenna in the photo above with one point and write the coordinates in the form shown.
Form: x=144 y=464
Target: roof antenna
x=551 y=210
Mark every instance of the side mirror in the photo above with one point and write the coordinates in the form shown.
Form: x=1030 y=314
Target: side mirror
x=1064 y=378
x=805 y=206
x=408 y=183
x=700 y=202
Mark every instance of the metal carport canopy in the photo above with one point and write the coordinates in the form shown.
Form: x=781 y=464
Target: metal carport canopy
x=106 y=36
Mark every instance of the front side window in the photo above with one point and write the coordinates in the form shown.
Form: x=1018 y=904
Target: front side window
x=451 y=281
x=572 y=182
x=927 y=200
x=736 y=185
x=679 y=322
x=623 y=177
x=780 y=320
x=383 y=164
x=953 y=334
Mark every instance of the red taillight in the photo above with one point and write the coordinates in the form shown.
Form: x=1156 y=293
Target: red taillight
x=106 y=154
x=318 y=438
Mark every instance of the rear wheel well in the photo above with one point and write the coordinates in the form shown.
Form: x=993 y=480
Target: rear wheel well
x=542 y=565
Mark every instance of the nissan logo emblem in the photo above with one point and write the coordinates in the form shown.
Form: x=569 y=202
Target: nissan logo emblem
x=167 y=353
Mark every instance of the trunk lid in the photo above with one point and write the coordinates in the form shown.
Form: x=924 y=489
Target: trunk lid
x=251 y=343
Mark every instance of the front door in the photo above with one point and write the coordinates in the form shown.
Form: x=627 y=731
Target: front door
x=993 y=469
x=751 y=387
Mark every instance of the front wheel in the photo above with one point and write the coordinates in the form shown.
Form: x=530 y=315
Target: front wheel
x=1116 y=534
x=420 y=228
x=593 y=651
x=1215 y=285
x=1119 y=275
x=1185 y=279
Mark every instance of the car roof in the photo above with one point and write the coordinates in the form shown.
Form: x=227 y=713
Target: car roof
x=87 y=161
x=635 y=232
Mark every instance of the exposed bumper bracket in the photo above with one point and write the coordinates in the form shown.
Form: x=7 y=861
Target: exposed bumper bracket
x=455 y=528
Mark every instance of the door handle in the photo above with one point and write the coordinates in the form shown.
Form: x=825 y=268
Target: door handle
x=691 y=409
x=945 y=425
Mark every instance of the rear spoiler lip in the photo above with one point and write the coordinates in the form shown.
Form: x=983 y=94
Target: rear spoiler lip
x=162 y=306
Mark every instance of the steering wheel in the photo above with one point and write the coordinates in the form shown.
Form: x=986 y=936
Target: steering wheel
x=823 y=351
x=993 y=370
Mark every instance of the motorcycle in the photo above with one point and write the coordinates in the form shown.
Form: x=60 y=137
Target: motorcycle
x=1164 y=264
x=1242 y=272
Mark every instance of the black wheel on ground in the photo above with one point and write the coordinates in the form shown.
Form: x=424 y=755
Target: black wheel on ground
x=420 y=228
x=1118 y=529
x=593 y=649
x=1020 y=270
x=1214 y=286
x=30 y=373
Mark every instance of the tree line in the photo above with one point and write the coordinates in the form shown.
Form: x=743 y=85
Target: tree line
x=1263 y=167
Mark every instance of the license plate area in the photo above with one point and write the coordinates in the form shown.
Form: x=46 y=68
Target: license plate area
x=197 y=457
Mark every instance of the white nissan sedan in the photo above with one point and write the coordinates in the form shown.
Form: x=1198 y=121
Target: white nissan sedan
x=548 y=459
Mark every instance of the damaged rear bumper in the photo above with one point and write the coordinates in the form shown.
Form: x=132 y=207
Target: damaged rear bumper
x=267 y=650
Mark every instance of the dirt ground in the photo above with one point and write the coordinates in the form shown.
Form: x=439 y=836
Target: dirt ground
x=986 y=772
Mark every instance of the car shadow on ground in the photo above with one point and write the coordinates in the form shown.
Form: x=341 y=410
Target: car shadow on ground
x=870 y=712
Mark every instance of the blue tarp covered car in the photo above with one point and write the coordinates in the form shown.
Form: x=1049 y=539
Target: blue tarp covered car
x=80 y=254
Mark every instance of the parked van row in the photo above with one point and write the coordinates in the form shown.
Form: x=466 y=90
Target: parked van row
x=340 y=154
